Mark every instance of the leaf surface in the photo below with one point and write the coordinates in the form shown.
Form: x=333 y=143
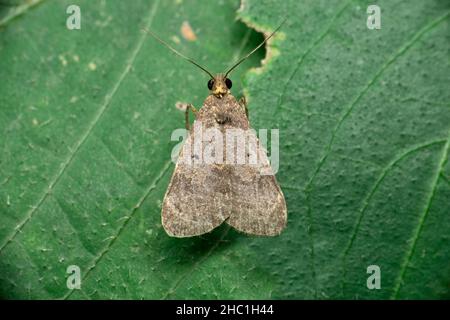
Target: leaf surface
x=364 y=120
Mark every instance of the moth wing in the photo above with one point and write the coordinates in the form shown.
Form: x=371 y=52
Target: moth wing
x=258 y=205
x=197 y=199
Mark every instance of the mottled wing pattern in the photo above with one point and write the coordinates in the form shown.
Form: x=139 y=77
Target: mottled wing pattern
x=202 y=196
x=197 y=199
x=258 y=205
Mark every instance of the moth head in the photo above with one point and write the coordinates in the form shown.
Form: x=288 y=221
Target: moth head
x=220 y=85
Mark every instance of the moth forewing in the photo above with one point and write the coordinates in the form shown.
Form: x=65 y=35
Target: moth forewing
x=259 y=207
x=190 y=207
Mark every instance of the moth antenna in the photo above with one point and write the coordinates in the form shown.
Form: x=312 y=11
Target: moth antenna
x=254 y=50
x=177 y=52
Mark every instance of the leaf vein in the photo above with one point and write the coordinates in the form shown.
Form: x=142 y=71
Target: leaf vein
x=19 y=10
x=117 y=161
x=370 y=195
x=305 y=54
x=177 y=283
x=211 y=250
x=403 y=49
x=279 y=104
x=107 y=100
x=127 y=219
x=421 y=222
x=445 y=178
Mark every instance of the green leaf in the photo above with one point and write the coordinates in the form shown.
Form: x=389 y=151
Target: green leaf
x=86 y=117
x=364 y=119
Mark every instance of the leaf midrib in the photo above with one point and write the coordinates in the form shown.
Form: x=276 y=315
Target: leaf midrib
x=74 y=150
x=214 y=246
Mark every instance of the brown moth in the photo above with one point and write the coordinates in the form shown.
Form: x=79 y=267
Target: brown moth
x=204 y=194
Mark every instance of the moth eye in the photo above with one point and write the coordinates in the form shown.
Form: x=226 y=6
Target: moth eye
x=210 y=84
x=228 y=83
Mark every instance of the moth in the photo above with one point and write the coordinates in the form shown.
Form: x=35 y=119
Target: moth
x=202 y=195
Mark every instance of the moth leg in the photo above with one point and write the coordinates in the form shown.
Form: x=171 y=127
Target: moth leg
x=243 y=102
x=191 y=107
